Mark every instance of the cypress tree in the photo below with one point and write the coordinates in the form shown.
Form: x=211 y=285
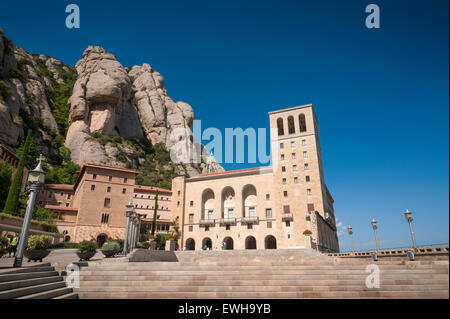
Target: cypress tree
x=154 y=214
x=14 y=191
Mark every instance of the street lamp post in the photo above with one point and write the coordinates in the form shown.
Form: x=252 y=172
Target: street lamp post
x=128 y=213
x=409 y=218
x=36 y=178
x=350 y=232
x=375 y=226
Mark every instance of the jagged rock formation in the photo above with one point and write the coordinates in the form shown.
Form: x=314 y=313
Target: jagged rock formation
x=108 y=111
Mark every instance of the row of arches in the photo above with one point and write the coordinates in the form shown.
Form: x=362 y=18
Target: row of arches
x=270 y=242
x=228 y=202
x=291 y=125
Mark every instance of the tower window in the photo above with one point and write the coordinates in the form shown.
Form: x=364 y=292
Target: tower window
x=284 y=181
x=308 y=191
x=295 y=180
x=305 y=154
x=280 y=126
x=285 y=193
x=292 y=144
x=108 y=189
x=294 y=168
x=110 y=178
x=282 y=157
x=267 y=196
x=303 y=142
x=306 y=166
x=281 y=145
x=107 y=202
x=291 y=127
x=283 y=169
x=269 y=212
x=308 y=178
x=293 y=156
x=302 y=122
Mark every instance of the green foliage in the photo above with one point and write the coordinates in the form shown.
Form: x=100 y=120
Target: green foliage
x=42 y=213
x=161 y=241
x=3 y=242
x=64 y=152
x=143 y=244
x=64 y=174
x=72 y=245
x=86 y=246
x=22 y=62
x=154 y=214
x=111 y=245
x=326 y=249
x=31 y=155
x=16 y=73
x=120 y=241
x=39 y=242
x=14 y=191
x=5 y=90
x=5 y=181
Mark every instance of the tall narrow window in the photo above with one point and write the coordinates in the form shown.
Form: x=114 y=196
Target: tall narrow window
x=107 y=202
x=110 y=178
x=108 y=189
x=269 y=212
x=291 y=127
x=302 y=122
x=280 y=126
x=191 y=218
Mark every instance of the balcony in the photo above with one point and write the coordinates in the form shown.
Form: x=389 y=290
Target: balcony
x=227 y=221
x=207 y=222
x=249 y=220
x=287 y=217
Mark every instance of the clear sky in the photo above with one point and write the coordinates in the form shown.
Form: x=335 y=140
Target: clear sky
x=380 y=95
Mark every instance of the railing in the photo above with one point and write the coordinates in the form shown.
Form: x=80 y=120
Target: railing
x=249 y=219
x=424 y=250
x=227 y=221
x=206 y=222
x=287 y=217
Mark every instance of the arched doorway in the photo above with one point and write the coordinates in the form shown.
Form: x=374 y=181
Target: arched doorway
x=228 y=243
x=250 y=242
x=207 y=243
x=270 y=242
x=190 y=244
x=101 y=239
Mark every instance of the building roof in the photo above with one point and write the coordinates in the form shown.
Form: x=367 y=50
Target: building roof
x=66 y=187
x=151 y=189
x=292 y=108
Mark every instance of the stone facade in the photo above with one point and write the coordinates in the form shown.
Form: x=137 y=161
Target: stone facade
x=268 y=207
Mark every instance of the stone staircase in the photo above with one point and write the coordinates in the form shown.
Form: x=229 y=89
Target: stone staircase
x=249 y=274
x=34 y=282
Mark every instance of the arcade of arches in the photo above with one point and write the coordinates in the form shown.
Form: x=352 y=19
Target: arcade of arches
x=227 y=243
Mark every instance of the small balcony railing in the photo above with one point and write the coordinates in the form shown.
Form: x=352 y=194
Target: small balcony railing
x=207 y=222
x=286 y=217
x=249 y=219
x=227 y=221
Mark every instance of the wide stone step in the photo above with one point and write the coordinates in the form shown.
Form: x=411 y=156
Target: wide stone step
x=265 y=295
x=263 y=282
x=19 y=292
x=34 y=268
x=29 y=275
x=58 y=291
x=27 y=282
x=257 y=277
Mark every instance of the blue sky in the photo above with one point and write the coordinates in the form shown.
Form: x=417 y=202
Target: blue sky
x=380 y=95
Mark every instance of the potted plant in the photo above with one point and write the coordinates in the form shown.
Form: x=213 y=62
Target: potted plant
x=307 y=232
x=86 y=250
x=110 y=248
x=38 y=247
x=3 y=245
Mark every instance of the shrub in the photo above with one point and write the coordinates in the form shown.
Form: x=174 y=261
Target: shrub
x=120 y=241
x=86 y=246
x=5 y=90
x=71 y=245
x=111 y=245
x=143 y=244
x=307 y=232
x=39 y=242
x=3 y=242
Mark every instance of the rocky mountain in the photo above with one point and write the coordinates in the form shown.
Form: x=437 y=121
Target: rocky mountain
x=95 y=112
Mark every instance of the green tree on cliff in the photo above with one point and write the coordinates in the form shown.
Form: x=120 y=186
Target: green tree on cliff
x=154 y=214
x=5 y=181
x=14 y=191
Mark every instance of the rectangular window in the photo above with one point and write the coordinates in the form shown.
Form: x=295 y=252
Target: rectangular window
x=108 y=189
x=285 y=193
x=107 y=202
x=269 y=212
x=178 y=203
x=249 y=226
x=281 y=145
x=307 y=178
x=59 y=204
x=192 y=203
x=191 y=218
x=109 y=178
x=282 y=157
x=284 y=181
x=308 y=191
x=269 y=224
x=210 y=214
x=292 y=144
x=286 y=209
x=67 y=204
x=288 y=224
x=252 y=211
x=283 y=169
x=306 y=167
x=267 y=196
x=191 y=228
x=69 y=196
x=92 y=187
x=304 y=142
x=229 y=213
x=125 y=180
x=50 y=195
x=310 y=207
x=227 y=227
x=305 y=154
x=295 y=180
x=94 y=176
x=124 y=190
x=294 y=168
x=62 y=194
x=293 y=156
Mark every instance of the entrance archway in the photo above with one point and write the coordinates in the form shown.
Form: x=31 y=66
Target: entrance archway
x=270 y=242
x=190 y=244
x=250 y=242
x=101 y=239
x=229 y=245
x=207 y=242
